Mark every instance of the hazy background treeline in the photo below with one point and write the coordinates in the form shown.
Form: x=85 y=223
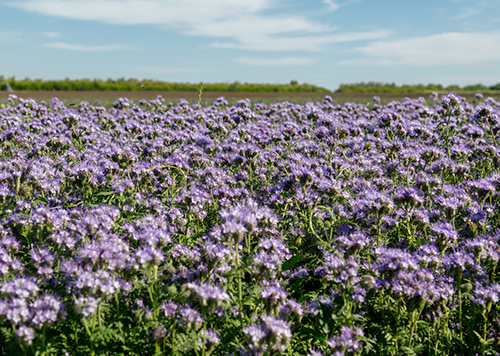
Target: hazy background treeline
x=375 y=87
x=123 y=84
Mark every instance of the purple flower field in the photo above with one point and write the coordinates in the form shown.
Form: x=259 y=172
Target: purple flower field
x=250 y=229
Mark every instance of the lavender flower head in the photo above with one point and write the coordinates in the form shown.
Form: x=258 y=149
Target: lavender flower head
x=272 y=334
x=189 y=318
x=445 y=235
x=25 y=334
x=269 y=257
x=279 y=333
x=20 y=287
x=210 y=295
x=347 y=340
x=148 y=255
x=273 y=294
x=450 y=101
x=46 y=310
x=256 y=336
x=87 y=306
x=241 y=220
x=353 y=243
x=16 y=310
x=43 y=260
x=210 y=336
x=485 y=296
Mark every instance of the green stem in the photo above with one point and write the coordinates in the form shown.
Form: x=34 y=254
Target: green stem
x=90 y=332
x=238 y=276
x=448 y=135
x=248 y=245
x=460 y=312
x=204 y=339
x=173 y=342
x=199 y=100
x=152 y=282
x=94 y=319
x=157 y=348
x=415 y=315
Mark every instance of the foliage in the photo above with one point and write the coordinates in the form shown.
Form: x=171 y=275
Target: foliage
x=392 y=88
x=123 y=84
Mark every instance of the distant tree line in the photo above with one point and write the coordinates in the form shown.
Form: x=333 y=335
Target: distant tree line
x=375 y=87
x=123 y=84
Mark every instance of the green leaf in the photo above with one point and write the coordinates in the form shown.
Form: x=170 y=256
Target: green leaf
x=42 y=199
x=295 y=284
x=408 y=351
x=104 y=193
x=317 y=335
x=292 y=262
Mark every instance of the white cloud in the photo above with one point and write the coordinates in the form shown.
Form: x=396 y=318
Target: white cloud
x=276 y=62
x=134 y=12
x=49 y=34
x=242 y=24
x=454 y=48
x=85 y=48
x=331 y=4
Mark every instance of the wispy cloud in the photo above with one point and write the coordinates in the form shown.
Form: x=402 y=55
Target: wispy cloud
x=85 y=48
x=332 y=5
x=466 y=13
x=242 y=24
x=303 y=43
x=10 y=36
x=276 y=62
x=454 y=48
x=49 y=34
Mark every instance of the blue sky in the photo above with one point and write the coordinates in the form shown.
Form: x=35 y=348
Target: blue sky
x=322 y=42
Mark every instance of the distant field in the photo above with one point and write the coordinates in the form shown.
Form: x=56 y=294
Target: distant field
x=146 y=94
x=105 y=97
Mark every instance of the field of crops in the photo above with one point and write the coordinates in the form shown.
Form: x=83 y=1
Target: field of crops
x=206 y=98
x=250 y=229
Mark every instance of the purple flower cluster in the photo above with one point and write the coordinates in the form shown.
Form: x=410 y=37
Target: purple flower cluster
x=263 y=228
x=22 y=305
x=272 y=334
x=347 y=341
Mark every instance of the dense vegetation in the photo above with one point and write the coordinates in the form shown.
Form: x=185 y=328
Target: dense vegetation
x=292 y=87
x=375 y=87
x=253 y=229
x=150 y=85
